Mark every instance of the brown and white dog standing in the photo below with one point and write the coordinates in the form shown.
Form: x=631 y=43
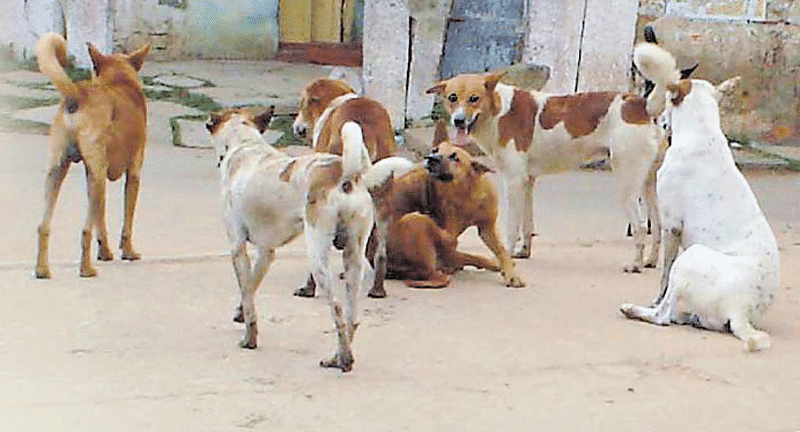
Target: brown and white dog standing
x=327 y=104
x=102 y=122
x=530 y=133
x=270 y=198
x=429 y=207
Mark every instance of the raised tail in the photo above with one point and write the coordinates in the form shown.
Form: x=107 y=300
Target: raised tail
x=355 y=157
x=657 y=65
x=51 y=53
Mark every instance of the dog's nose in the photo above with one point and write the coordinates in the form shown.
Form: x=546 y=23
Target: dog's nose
x=300 y=130
x=459 y=121
x=433 y=160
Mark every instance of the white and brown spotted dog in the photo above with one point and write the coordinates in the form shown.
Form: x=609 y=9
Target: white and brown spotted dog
x=727 y=274
x=270 y=198
x=530 y=133
x=327 y=104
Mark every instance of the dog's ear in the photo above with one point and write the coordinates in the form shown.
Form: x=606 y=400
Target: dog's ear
x=438 y=88
x=98 y=59
x=727 y=87
x=136 y=58
x=262 y=120
x=686 y=73
x=213 y=122
x=480 y=168
x=440 y=134
x=491 y=81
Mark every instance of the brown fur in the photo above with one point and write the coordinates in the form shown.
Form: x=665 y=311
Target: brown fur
x=516 y=123
x=581 y=113
x=426 y=217
x=102 y=122
x=681 y=89
x=369 y=114
x=634 y=110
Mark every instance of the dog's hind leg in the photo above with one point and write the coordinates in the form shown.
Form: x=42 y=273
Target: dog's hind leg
x=755 y=340
x=96 y=182
x=653 y=215
x=132 y=181
x=660 y=314
x=52 y=186
x=527 y=221
x=249 y=280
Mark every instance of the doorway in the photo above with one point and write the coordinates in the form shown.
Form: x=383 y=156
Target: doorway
x=321 y=31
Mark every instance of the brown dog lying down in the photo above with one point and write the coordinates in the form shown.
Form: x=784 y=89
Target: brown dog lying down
x=425 y=210
x=428 y=208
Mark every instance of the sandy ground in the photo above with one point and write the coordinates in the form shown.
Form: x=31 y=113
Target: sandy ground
x=151 y=346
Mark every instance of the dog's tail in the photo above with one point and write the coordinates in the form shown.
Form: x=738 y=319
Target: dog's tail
x=657 y=65
x=355 y=157
x=51 y=54
x=381 y=170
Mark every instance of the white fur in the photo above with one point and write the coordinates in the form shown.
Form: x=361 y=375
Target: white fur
x=381 y=170
x=657 y=65
x=266 y=203
x=727 y=274
x=633 y=148
x=336 y=103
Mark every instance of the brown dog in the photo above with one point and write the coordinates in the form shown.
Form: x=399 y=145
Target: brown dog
x=103 y=123
x=327 y=104
x=429 y=208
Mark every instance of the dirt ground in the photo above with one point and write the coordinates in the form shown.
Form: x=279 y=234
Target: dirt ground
x=150 y=345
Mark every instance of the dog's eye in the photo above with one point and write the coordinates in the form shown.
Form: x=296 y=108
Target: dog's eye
x=454 y=157
x=453 y=97
x=474 y=98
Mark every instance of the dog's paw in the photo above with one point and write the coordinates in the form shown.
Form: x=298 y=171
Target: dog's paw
x=239 y=316
x=104 y=254
x=305 y=291
x=42 y=273
x=627 y=310
x=377 y=292
x=514 y=281
x=88 y=271
x=248 y=343
x=131 y=255
x=339 y=361
x=631 y=268
x=521 y=253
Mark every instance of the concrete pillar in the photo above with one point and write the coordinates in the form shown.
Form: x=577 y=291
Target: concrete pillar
x=554 y=40
x=88 y=21
x=385 y=48
x=23 y=22
x=608 y=35
x=429 y=22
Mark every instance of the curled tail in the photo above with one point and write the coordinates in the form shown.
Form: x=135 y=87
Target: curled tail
x=51 y=54
x=657 y=65
x=355 y=157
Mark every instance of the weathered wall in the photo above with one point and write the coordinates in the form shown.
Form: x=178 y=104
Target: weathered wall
x=757 y=40
x=176 y=28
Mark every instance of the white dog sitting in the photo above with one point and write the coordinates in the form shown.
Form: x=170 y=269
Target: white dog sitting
x=727 y=274
x=270 y=198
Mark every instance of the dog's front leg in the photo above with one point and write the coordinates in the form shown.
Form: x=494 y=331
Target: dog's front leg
x=672 y=242
x=488 y=234
x=52 y=186
x=513 y=202
x=131 y=195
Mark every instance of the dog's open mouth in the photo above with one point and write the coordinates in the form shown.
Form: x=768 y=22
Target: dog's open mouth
x=465 y=128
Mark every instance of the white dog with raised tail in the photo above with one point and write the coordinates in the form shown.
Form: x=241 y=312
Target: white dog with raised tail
x=727 y=274
x=270 y=198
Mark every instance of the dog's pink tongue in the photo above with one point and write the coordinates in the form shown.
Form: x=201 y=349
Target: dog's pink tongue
x=462 y=137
